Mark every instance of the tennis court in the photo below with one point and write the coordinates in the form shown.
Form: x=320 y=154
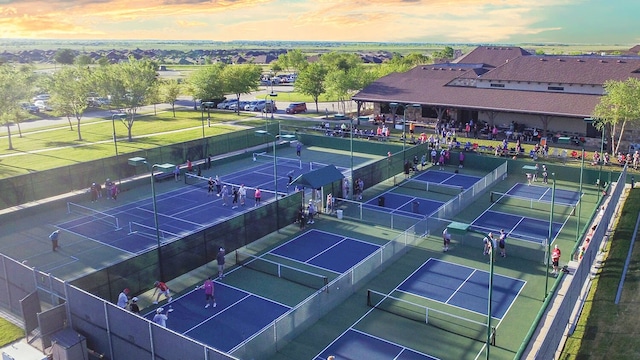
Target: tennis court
x=450 y=184
x=532 y=202
x=237 y=316
x=131 y=227
x=461 y=287
x=326 y=250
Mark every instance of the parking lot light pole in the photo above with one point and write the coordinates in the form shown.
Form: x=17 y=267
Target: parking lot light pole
x=271 y=94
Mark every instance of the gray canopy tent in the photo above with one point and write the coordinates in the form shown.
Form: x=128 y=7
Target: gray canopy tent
x=316 y=180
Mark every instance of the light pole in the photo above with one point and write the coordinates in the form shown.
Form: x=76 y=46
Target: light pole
x=591 y=120
x=490 y=297
x=208 y=105
x=271 y=94
x=395 y=106
x=550 y=237
x=120 y=116
x=353 y=184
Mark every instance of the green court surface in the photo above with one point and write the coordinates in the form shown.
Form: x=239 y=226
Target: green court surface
x=25 y=239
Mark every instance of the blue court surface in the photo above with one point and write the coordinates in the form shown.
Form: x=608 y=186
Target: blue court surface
x=237 y=316
x=405 y=205
x=326 y=250
x=441 y=177
x=357 y=345
x=180 y=212
x=463 y=287
x=516 y=226
x=544 y=194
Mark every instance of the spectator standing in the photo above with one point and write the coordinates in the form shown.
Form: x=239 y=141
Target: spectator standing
x=209 y=292
x=555 y=259
x=434 y=156
x=54 y=237
x=220 y=259
x=209 y=162
x=461 y=160
x=345 y=188
x=160 y=318
x=176 y=173
x=301 y=217
x=446 y=240
x=361 y=188
x=123 y=298
x=298 y=148
x=545 y=175
x=189 y=166
x=441 y=161
x=312 y=210
x=133 y=307
x=162 y=289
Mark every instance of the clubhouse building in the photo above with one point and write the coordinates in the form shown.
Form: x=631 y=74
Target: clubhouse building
x=505 y=86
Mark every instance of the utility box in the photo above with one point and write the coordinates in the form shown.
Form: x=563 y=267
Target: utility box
x=67 y=344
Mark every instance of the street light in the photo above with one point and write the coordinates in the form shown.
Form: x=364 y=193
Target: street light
x=167 y=167
x=591 y=120
x=550 y=236
x=120 y=116
x=271 y=94
x=394 y=106
x=208 y=105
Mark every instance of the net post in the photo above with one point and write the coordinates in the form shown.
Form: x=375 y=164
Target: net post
x=68 y=208
x=426 y=315
x=493 y=336
x=368 y=297
x=117 y=223
x=130 y=228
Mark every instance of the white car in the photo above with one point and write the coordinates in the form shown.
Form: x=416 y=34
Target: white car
x=41 y=97
x=225 y=104
x=259 y=105
x=42 y=105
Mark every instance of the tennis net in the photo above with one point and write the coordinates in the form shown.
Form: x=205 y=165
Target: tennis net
x=282 y=161
x=531 y=203
x=290 y=273
x=203 y=182
x=471 y=329
x=453 y=190
x=149 y=231
x=93 y=214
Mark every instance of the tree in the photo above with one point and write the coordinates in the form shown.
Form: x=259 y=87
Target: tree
x=619 y=106
x=64 y=56
x=83 y=59
x=241 y=79
x=311 y=80
x=15 y=86
x=206 y=82
x=70 y=87
x=444 y=54
x=169 y=92
x=293 y=60
x=133 y=81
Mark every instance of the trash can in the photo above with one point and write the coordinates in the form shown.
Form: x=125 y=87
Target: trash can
x=339 y=214
x=415 y=207
x=381 y=201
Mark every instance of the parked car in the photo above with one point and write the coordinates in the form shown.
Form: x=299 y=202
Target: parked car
x=225 y=104
x=211 y=103
x=30 y=108
x=295 y=108
x=238 y=105
x=42 y=105
x=258 y=105
x=270 y=106
x=41 y=97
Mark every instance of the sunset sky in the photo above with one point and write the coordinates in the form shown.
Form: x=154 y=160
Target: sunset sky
x=443 y=21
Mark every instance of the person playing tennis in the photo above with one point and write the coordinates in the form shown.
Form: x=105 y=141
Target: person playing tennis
x=208 y=292
x=161 y=288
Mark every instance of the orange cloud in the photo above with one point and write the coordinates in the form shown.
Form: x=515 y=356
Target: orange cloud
x=189 y=24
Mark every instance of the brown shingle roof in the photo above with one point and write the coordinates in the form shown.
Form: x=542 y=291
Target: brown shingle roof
x=492 y=55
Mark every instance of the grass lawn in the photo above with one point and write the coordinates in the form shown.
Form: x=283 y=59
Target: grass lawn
x=9 y=332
